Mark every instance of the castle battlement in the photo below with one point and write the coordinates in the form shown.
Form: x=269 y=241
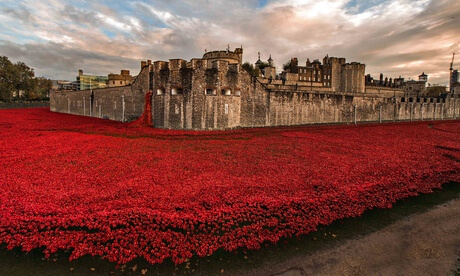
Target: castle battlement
x=232 y=57
x=215 y=92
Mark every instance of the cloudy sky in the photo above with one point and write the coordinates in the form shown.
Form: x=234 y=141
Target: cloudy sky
x=396 y=37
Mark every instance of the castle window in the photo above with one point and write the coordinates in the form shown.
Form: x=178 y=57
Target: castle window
x=113 y=82
x=160 y=91
x=177 y=91
x=121 y=82
x=237 y=92
x=226 y=92
x=210 y=92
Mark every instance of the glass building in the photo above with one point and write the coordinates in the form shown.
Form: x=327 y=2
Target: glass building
x=87 y=82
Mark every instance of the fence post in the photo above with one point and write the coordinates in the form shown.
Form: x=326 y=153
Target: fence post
x=354 y=111
x=442 y=110
x=123 y=107
x=411 y=108
x=421 y=111
x=394 y=114
x=68 y=105
x=380 y=113
x=455 y=107
x=84 y=106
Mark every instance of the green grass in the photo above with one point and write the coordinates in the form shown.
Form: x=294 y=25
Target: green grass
x=16 y=262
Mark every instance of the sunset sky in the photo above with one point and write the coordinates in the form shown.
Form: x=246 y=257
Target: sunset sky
x=396 y=37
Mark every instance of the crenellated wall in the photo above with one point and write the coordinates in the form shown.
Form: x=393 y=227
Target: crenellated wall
x=215 y=92
x=218 y=95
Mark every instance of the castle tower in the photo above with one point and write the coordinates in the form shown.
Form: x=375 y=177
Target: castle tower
x=423 y=77
x=235 y=57
x=270 y=61
x=270 y=70
x=258 y=62
x=336 y=72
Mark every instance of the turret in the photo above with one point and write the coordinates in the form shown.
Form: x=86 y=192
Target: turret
x=423 y=77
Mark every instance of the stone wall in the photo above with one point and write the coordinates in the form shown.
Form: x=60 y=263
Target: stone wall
x=117 y=103
x=385 y=91
x=296 y=108
x=203 y=94
x=215 y=95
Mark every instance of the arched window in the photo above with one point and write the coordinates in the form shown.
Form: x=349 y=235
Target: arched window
x=210 y=92
x=237 y=92
x=160 y=91
x=177 y=91
x=226 y=92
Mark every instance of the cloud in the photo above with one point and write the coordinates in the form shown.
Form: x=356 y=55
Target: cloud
x=396 y=37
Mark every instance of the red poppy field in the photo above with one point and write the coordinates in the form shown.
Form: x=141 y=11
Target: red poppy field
x=109 y=189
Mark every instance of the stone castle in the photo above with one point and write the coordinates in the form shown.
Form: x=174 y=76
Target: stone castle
x=218 y=92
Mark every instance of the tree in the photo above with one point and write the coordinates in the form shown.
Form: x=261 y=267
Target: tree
x=436 y=90
x=20 y=78
x=262 y=65
x=287 y=65
x=44 y=86
x=248 y=67
x=7 y=77
x=24 y=79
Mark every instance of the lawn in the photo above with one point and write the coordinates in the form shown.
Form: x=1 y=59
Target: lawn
x=102 y=188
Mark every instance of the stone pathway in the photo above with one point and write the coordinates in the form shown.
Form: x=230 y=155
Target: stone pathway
x=422 y=244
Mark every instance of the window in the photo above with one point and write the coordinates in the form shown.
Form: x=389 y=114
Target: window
x=121 y=82
x=226 y=92
x=176 y=109
x=177 y=91
x=210 y=92
x=237 y=92
x=160 y=91
x=113 y=82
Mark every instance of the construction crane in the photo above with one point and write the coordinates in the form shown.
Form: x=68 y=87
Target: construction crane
x=451 y=80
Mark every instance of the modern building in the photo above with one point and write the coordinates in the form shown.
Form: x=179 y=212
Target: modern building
x=88 y=82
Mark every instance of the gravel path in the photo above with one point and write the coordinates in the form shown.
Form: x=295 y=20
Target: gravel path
x=422 y=244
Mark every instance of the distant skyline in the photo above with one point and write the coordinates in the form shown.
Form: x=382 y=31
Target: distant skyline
x=393 y=37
